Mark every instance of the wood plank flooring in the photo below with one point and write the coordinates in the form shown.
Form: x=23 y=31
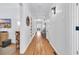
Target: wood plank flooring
x=9 y=50
x=40 y=46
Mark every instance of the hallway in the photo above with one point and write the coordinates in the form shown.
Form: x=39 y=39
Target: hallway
x=40 y=46
x=39 y=28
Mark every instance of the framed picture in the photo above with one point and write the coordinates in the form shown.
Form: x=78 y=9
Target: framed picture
x=5 y=23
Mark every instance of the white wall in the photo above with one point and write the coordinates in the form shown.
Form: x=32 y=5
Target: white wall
x=25 y=30
x=68 y=24
x=56 y=29
x=10 y=11
x=60 y=33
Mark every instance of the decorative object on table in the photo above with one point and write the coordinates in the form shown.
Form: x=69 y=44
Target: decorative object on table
x=5 y=23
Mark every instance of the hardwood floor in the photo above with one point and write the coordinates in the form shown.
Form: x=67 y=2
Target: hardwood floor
x=16 y=52
x=9 y=50
x=40 y=46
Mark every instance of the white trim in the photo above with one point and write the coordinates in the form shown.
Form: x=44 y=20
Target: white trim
x=54 y=48
x=28 y=44
x=72 y=31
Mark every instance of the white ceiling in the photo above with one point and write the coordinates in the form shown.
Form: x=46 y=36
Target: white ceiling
x=39 y=10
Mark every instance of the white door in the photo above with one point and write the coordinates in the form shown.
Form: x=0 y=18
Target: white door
x=75 y=29
x=78 y=28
